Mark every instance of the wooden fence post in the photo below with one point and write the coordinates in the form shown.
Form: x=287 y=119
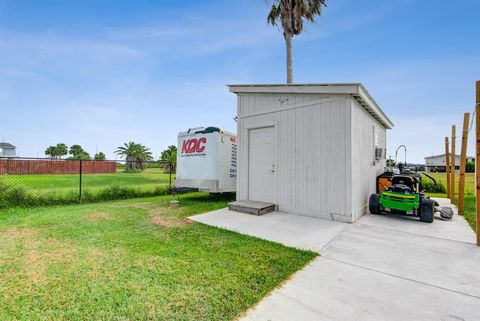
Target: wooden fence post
x=447 y=166
x=463 y=164
x=453 y=156
x=477 y=160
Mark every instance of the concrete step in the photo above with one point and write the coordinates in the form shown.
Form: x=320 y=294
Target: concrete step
x=252 y=207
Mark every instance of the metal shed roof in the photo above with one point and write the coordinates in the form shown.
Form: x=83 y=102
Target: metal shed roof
x=356 y=90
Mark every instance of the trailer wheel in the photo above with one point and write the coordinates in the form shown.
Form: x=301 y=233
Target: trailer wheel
x=374 y=204
x=427 y=210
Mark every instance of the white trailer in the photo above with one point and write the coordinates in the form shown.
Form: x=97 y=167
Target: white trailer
x=207 y=160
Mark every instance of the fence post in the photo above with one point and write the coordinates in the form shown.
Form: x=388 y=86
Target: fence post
x=170 y=178
x=453 y=156
x=447 y=166
x=80 y=181
x=463 y=164
x=477 y=160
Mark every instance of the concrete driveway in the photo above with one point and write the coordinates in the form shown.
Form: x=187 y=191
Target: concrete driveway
x=380 y=268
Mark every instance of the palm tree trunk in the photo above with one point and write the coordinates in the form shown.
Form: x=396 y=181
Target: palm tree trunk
x=288 y=41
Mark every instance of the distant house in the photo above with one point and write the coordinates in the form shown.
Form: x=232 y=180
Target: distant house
x=7 y=150
x=436 y=163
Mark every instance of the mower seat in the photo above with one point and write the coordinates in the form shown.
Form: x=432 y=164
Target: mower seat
x=400 y=188
x=409 y=181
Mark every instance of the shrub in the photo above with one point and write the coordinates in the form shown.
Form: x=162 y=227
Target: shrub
x=115 y=193
x=3 y=192
x=18 y=196
x=470 y=167
x=12 y=196
x=430 y=187
x=153 y=165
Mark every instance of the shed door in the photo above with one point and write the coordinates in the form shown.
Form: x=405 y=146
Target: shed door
x=261 y=161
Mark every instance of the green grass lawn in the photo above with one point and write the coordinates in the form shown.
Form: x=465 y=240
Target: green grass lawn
x=146 y=180
x=470 y=212
x=64 y=188
x=469 y=181
x=139 y=259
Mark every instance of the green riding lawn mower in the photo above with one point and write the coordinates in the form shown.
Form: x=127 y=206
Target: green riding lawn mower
x=402 y=194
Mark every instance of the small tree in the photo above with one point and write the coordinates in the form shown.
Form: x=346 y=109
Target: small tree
x=99 y=156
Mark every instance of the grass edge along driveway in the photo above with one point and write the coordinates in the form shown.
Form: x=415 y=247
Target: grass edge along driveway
x=139 y=259
x=469 y=209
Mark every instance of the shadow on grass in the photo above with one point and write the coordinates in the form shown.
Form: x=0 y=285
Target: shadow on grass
x=216 y=197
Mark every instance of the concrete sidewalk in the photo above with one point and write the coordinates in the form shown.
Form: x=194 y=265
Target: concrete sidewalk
x=292 y=230
x=380 y=268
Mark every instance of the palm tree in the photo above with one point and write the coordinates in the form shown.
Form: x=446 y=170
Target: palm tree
x=99 y=156
x=76 y=150
x=135 y=154
x=291 y=14
x=61 y=150
x=50 y=151
x=169 y=159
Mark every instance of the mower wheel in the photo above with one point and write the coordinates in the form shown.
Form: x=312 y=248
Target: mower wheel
x=374 y=205
x=427 y=210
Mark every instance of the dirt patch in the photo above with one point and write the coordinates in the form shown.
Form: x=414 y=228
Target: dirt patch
x=139 y=205
x=44 y=254
x=17 y=233
x=167 y=216
x=161 y=213
x=158 y=220
x=168 y=222
x=13 y=239
x=27 y=256
x=99 y=216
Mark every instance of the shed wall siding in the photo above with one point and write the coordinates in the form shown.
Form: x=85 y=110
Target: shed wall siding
x=313 y=154
x=364 y=171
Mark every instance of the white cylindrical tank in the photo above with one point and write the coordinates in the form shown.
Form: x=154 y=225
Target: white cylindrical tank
x=207 y=160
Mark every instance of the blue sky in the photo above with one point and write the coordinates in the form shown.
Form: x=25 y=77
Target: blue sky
x=100 y=73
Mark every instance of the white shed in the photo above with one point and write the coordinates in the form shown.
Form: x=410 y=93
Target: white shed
x=310 y=149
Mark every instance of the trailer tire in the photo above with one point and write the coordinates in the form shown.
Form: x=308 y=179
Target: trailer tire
x=374 y=204
x=427 y=210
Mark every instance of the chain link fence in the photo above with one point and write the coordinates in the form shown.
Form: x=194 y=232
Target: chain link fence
x=41 y=181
